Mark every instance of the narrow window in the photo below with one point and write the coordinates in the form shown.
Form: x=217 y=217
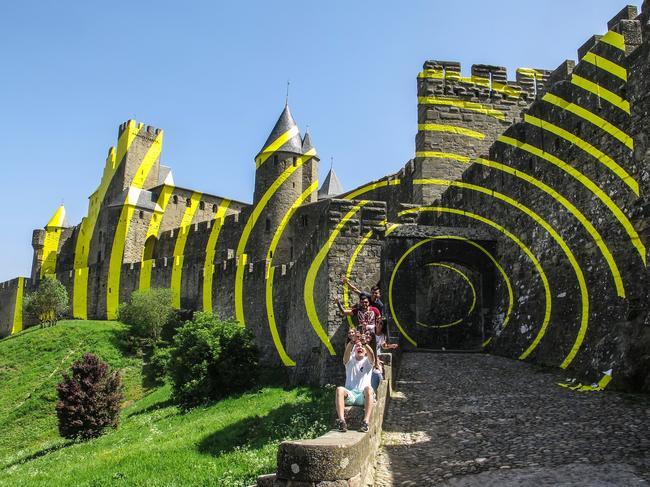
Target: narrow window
x=268 y=225
x=141 y=214
x=188 y=202
x=175 y=199
x=214 y=208
x=275 y=159
x=295 y=161
x=202 y=205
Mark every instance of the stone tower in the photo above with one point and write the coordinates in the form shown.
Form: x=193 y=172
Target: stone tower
x=286 y=173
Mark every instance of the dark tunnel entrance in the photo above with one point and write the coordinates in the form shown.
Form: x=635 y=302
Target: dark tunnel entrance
x=441 y=290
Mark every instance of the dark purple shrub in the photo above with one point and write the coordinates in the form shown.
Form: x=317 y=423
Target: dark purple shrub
x=89 y=399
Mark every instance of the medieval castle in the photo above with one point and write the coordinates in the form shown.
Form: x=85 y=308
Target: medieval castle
x=518 y=226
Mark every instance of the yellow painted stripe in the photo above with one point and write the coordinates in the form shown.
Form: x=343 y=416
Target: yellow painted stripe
x=591 y=117
x=87 y=227
x=635 y=239
x=310 y=280
x=603 y=158
x=179 y=248
x=547 y=289
x=146 y=265
x=270 y=313
x=511 y=91
x=270 y=149
x=210 y=249
x=472 y=288
x=465 y=105
x=391 y=282
x=606 y=65
x=450 y=129
x=391 y=228
x=348 y=273
x=122 y=230
x=285 y=220
x=370 y=187
x=531 y=73
x=17 y=324
x=584 y=292
x=248 y=228
x=593 y=233
x=394 y=226
x=50 y=250
x=443 y=155
x=614 y=39
x=601 y=92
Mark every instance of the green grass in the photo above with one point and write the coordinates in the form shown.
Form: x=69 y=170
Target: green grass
x=227 y=443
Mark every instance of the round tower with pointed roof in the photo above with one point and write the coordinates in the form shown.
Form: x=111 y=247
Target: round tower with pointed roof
x=286 y=168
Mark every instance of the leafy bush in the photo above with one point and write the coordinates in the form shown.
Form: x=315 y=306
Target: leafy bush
x=158 y=362
x=89 y=399
x=147 y=312
x=48 y=302
x=211 y=359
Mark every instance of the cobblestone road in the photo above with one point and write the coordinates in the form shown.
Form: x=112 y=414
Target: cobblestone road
x=481 y=420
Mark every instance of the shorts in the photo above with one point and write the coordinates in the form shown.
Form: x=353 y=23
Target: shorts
x=354 y=397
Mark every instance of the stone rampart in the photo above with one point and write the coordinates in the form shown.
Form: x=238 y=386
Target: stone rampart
x=334 y=459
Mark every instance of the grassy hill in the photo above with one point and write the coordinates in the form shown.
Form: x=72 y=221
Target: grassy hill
x=227 y=443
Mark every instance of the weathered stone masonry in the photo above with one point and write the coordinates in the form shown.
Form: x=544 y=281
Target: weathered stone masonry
x=518 y=226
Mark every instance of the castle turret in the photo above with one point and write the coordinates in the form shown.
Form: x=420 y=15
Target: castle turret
x=287 y=166
x=310 y=168
x=331 y=187
x=46 y=244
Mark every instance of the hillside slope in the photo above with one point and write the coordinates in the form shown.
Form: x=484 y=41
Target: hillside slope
x=227 y=443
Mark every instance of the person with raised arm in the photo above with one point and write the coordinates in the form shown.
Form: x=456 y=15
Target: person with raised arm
x=359 y=360
x=375 y=294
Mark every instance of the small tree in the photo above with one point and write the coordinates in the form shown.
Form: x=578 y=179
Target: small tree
x=211 y=359
x=147 y=312
x=89 y=399
x=48 y=302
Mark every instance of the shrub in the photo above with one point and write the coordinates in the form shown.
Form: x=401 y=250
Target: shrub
x=211 y=359
x=147 y=312
x=158 y=363
x=48 y=302
x=89 y=399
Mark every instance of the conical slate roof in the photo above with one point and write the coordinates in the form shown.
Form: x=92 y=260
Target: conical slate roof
x=284 y=137
x=331 y=186
x=58 y=220
x=306 y=143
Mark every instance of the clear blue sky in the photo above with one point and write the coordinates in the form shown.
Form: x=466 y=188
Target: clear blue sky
x=213 y=76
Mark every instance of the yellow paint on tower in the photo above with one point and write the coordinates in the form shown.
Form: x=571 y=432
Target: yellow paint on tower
x=122 y=230
x=179 y=248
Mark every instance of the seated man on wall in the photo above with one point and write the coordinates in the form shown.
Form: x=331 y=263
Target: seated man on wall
x=359 y=361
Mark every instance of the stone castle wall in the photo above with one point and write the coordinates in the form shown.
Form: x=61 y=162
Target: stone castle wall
x=548 y=173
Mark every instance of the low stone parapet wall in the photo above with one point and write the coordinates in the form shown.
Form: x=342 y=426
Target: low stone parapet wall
x=334 y=459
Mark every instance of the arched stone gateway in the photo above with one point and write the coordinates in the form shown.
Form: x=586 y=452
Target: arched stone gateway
x=441 y=288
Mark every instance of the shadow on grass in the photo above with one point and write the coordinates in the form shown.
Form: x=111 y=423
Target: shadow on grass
x=154 y=407
x=41 y=453
x=308 y=419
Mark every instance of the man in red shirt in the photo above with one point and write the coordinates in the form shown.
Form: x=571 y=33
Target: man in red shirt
x=367 y=316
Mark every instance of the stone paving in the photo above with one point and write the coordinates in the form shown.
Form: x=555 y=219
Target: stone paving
x=481 y=420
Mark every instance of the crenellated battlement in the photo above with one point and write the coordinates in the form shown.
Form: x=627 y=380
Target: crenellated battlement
x=486 y=80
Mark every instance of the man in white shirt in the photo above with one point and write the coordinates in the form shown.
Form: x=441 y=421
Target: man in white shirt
x=358 y=373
